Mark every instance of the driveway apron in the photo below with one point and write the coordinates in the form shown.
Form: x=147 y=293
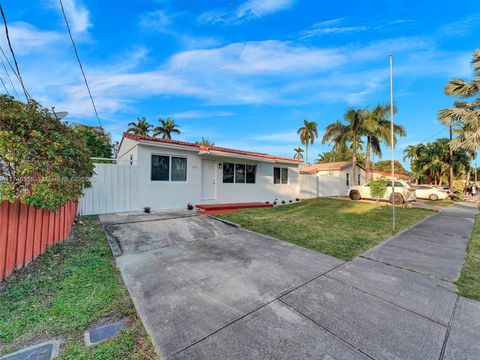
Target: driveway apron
x=208 y=290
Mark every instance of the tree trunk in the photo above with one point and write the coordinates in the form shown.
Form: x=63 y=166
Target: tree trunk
x=306 y=152
x=367 y=162
x=354 y=163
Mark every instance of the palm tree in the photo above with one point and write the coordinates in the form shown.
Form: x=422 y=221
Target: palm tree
x=348 y=132
x=205 y=142
x=298 y=153
x=308 y=133
x=140 y=127
x=464 y=117
x=377 y=130
x=166 y=128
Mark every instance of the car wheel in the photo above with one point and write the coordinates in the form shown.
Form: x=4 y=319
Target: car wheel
x=398 y=199
x=433 y=197
x=355 y=195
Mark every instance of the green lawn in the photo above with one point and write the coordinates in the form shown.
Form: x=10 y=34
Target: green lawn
x=469 y=281
x=440 y=203
x=340 y=228
x=71 y=287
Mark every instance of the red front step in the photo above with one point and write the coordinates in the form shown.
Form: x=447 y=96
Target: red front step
x=232 y=206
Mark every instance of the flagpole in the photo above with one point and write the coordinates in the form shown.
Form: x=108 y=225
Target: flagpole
x=392 y=144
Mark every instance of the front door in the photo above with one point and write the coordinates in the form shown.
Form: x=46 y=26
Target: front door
x=209 y=187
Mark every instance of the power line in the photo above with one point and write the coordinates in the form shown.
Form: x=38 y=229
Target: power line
x=19 y=75
x=437 y=133
x=6 y=71
x=6 y=90
x=8 y=76
x=80 y=63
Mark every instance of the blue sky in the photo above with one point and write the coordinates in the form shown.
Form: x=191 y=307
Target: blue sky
x=245 y=74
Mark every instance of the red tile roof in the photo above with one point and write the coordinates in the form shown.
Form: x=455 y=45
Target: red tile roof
x=208 y=148
x=312 y=169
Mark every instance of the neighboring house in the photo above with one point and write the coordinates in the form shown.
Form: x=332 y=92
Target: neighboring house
x=375 y=174
x=333 y=179
x=172 y=174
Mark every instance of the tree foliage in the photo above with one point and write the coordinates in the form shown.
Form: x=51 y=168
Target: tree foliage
x=378 y=187
x=98 y=141
x=308 y=133
x=464 y=117
x=298 y=153
x=430 y=162
x=166 y=129
x=140 y=127
x=43 y=162
x=205 y=142
x=385 y=166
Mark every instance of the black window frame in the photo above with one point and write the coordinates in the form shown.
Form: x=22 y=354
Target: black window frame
x=169 y=168
x=347 y=179
x=154 y=174
x=232 y=174
x=278 y=178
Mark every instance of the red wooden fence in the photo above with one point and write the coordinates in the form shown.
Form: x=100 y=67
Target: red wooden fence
x=26 y=232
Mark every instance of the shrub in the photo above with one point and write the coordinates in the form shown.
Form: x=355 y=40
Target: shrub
x=43 y=163
x=378 y=187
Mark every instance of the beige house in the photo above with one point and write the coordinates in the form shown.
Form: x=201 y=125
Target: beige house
x=334 y=179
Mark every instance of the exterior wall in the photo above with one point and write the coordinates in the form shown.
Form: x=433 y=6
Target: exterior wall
x=333 y=182
x=176 y=195
x=128 y=148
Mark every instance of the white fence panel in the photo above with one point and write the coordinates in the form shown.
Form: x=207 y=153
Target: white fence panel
x=329 y=184
x=114 y=189
x=308 y=186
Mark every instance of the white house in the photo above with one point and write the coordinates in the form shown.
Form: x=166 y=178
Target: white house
x=333 y=179
x=172 y=174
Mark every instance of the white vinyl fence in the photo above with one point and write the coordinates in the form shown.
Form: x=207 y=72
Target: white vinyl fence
x=308 y=186
x=323 y=184
x=114 y=189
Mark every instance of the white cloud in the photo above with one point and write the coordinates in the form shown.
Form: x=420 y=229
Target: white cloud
x=27 y=39
x=77 y=14
x=199 y=114
x=284 y=136
x=332 y=30
x=157 y=20
x=247 y=11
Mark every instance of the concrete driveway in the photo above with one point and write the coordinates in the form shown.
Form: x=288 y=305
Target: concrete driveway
x=208 y=290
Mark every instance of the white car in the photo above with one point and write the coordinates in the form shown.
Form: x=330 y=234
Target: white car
x=404 y=192
x=430 y=192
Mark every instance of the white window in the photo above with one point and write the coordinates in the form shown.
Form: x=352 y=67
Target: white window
x=280 y=175
x=168 y=168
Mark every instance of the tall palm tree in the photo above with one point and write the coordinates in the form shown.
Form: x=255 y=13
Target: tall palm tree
x=308 y=133
x=166 y=129
x=140 y=127
x=464 y=117
x=205 y=142
x=377 y=131
x=298 y=153
x=348 y=132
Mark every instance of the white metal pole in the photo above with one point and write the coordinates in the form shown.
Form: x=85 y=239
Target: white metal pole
x=391 y=143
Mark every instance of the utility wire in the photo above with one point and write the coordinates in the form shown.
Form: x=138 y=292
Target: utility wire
x=6 y=90
x=8 y=76
x=19 y=75
x=6 y=71
x=437 y=133
x=80 y=63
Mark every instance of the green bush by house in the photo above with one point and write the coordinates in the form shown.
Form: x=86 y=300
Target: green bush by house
x=43 y=162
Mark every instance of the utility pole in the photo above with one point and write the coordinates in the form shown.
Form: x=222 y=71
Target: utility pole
x=391 y=143
x=450 y=179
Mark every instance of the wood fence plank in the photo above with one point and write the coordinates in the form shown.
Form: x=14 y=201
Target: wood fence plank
x=12 y=237
x=38 y=236
x=21 y=236
x=30 y=234
x=3 y=237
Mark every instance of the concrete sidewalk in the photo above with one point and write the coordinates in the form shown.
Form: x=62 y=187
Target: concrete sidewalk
x=207 y=290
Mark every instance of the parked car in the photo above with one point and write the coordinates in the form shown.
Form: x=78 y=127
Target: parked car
x=404 y=192
x=430 y=192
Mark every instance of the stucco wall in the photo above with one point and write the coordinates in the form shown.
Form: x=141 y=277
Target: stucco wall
x=176 y=195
